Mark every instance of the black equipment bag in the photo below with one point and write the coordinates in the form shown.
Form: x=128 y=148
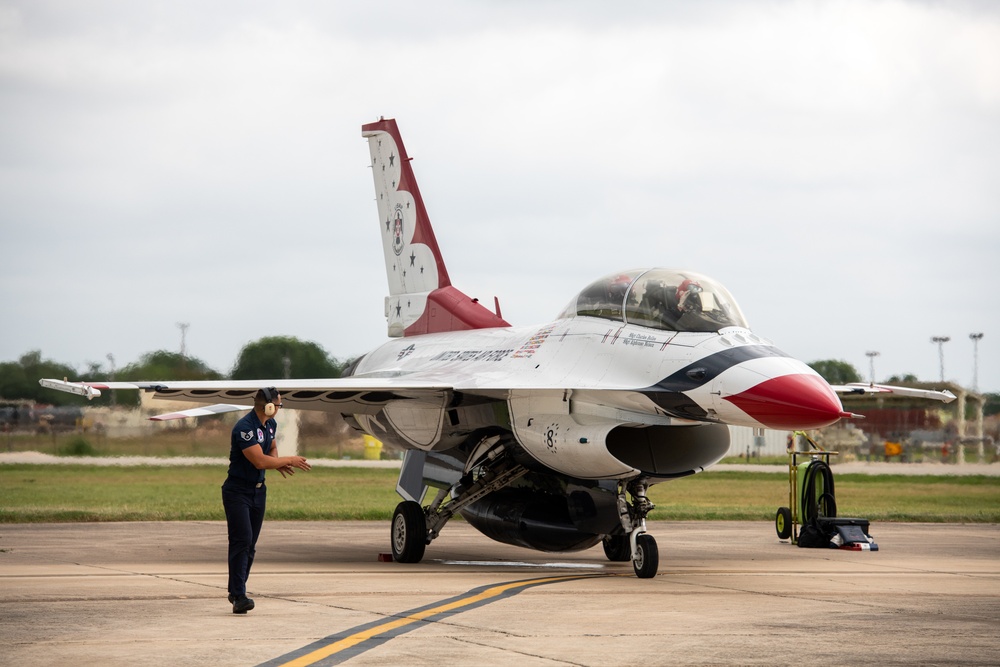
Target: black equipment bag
x=824 y=529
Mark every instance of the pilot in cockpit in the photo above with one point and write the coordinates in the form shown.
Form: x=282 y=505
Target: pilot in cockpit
x=674 y=308
x=691 y=306
x=672 y=301
x=660 y=299
x=689 y=297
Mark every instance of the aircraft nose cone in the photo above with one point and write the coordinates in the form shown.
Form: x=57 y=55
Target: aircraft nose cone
x=795 y=401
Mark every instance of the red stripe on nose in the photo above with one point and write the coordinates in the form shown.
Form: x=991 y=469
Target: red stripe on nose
x=792 y=402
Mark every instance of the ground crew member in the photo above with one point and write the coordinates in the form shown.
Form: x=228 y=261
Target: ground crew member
x=252 y=450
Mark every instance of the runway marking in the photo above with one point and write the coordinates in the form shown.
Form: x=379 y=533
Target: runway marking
x=342 y=646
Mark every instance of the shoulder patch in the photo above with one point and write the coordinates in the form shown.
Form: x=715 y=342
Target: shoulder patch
x=246 y=435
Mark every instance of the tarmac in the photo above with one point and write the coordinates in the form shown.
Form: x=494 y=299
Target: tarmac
x=726 y=593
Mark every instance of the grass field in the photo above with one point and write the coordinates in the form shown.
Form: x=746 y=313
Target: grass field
x=39 y=493
x=205 y=441
x=208 y=442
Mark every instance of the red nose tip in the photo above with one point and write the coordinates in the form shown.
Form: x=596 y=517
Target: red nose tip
x=791 y=402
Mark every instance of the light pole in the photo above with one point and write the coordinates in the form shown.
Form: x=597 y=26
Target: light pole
x=114 y=396
x=941 y=340
x=871 y=365
x=976 y=337
x=183 y=326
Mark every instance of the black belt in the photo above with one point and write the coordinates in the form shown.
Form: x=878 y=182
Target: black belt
x=247 y=482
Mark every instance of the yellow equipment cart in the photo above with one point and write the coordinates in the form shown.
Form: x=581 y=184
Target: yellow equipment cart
x=811 y=501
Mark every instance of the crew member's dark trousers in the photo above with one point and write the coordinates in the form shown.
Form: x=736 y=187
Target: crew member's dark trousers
x=244 y=506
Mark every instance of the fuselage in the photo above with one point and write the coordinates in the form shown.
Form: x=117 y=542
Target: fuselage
x=729 y=376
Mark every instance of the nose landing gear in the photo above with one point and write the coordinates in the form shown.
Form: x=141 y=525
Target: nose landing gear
x=642 y=547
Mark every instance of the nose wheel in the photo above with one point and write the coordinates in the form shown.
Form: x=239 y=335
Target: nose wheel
x=645 y=557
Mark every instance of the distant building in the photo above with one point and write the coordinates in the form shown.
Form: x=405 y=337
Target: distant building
x=953 y=430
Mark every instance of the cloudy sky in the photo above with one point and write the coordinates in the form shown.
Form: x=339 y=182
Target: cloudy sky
x=835 y=164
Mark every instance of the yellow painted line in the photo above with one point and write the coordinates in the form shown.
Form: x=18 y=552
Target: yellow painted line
x=364 y=635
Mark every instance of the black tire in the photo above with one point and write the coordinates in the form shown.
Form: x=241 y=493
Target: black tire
x=783 y=523
x=409 y=532
x=647 y=557
x=617 y=548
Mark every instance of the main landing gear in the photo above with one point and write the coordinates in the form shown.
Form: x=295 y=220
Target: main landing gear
x=409 y=532
x=636 y=544
x=414 y=527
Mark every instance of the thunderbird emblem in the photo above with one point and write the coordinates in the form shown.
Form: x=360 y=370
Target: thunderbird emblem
x=397 y=230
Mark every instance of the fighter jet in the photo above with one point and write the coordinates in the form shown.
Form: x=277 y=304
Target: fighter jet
x=545 y=436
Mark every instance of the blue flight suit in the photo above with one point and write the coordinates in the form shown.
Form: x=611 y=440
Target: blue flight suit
x=244 y=497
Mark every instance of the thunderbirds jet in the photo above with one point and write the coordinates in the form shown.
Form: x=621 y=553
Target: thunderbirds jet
x=544 y=436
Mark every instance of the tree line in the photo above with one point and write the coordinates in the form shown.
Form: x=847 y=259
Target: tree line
x=269 y=357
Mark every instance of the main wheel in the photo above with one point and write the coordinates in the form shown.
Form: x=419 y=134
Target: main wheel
x=783 y=523
x=617 y=548
x=647 y=559
x=409 y=532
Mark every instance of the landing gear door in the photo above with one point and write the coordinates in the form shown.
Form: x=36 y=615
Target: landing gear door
x=411 y=476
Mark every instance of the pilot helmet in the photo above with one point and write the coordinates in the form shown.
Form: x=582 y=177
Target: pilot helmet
x=687 y=296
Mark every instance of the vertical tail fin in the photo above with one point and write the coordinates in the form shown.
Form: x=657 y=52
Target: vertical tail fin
x=421 y=298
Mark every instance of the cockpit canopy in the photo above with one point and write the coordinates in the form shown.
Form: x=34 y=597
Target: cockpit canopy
x=661 y=299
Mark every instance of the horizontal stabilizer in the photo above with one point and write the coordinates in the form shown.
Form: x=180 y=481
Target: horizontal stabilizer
x=217 y=409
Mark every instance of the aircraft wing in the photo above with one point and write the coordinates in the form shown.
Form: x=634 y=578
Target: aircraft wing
x=340 y=395
x=362 y=395
x=944 y=396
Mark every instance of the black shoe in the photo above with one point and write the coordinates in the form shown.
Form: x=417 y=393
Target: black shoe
x=232 y=598
x=242 y=604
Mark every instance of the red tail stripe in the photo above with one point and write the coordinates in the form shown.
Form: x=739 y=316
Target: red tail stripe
x=423 y=232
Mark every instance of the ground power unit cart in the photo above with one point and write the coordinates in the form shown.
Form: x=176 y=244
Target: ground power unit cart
x=811 y=518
